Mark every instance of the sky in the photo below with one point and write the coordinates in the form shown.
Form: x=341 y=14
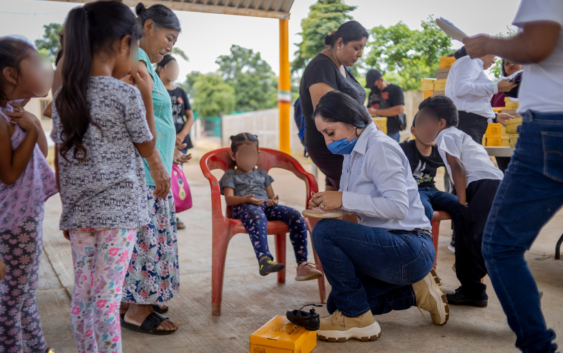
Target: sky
x=206 y=36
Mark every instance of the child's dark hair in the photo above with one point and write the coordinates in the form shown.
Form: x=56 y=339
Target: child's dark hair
x=460 y=53
x=244 y=138
x=165 y=60
x=161 y=15
x=348 y=31
x=336 y=106
x=444 y=108
x=91 y=28
x=12 y=52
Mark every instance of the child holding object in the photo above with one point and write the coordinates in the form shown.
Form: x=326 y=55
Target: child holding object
x=26 y=182
x=249 y=191
x=102 y=131
x=476 y=181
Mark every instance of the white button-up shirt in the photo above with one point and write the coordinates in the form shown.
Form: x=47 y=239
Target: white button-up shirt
x=378 y=186
x=470 y=88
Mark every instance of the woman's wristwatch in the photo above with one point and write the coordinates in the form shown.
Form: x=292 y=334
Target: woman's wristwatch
x=495 y=118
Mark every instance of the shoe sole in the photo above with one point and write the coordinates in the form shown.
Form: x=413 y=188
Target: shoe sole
x=436 y=293
x=309 y=277
x=477 y=304
x=365 y=334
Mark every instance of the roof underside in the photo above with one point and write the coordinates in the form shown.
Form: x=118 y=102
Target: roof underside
x=255 y=8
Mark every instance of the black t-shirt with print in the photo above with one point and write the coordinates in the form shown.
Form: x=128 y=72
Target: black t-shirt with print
x=423 y=168
x=180 y=104
x=391 y=96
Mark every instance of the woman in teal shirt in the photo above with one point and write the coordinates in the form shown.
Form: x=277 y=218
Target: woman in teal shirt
x=153 y=276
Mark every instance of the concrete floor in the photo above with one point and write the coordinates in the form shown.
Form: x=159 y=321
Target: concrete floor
x=249 y=300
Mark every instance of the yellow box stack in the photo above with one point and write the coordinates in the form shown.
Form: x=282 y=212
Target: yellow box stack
x=512 y=125
x=382 y=123
x=440 y=85
x=427 y=84
x=281 y=336
x=496 y=136
x=433 y=87
x=447 y=62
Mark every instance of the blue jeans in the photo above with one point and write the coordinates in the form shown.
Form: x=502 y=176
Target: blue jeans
x=395 y=136
x=529 y=195
x=371 y=268
x=434 y=199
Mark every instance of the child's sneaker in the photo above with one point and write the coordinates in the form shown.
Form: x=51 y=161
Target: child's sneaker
x=307 y=271
x=267 y=266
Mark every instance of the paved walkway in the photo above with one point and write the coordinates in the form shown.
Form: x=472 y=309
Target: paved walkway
x=251 y=300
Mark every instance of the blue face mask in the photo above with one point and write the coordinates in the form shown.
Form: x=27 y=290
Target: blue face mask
x=343 y=146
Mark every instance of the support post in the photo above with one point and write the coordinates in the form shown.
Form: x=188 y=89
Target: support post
x=284 y=89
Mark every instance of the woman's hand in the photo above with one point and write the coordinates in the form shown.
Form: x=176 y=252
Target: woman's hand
x=24 y=119
x=250 y=199
x=159 y=175
x=326 y=200
x=476 y=46
x=273 y=201
x=141 y=80
x=180 y=137
x=505 y=85
x=179 y=157
x=502 y=118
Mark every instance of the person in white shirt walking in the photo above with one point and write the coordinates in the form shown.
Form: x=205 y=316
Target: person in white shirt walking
x=471 y=91
x=476 y=181
x=383 y=262
x=532 y=189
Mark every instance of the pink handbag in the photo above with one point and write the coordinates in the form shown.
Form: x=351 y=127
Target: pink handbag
x=180 y=190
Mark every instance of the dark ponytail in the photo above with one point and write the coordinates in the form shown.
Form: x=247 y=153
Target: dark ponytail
x=336 y=106
x=95 y=27
x=12 y=52
x=161 y=15
x=348 y=31
x=460 y=53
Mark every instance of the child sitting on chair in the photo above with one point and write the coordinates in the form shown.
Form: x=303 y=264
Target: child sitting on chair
x=249 y=191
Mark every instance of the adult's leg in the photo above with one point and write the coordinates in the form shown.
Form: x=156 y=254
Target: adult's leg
x=330 y=164
x=254 y=220
x=424 y=194
x=297 y=228
x=503 y=163
x=396 y=259
x=474 y=125
x=529 y=195
x=19 y=317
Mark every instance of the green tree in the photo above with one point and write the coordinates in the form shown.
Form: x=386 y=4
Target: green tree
x=324 y=16
x=250 y=76
x=213 y=96
x=188 y=85
x=406 y=55
x=49 y=44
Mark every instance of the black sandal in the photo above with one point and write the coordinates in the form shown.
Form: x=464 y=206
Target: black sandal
x=150 y=325
x=157 y=308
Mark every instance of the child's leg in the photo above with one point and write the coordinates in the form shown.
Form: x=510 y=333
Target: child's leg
x=297 y=228
x=425 y=195
x=101 y=258
x=18 y=309
x=254 y=220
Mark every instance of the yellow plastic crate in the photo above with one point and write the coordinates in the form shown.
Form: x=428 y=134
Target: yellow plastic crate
x=280 y=336
x=513 y=138
x=512 y=125
x=381 y=123
x=428 y=94
x=511 y=105
x=498 y=141
x=427 y=84
x=495 y=129
x=447 y=62
x=497 y=110
x=440 y=85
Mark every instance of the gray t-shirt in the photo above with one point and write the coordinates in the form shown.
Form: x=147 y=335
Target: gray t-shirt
x=108 y=190
x=245 y=184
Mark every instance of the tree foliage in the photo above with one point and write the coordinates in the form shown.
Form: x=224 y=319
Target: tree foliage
x=251 y=77
x=49 y=44
x=188 y=85
x=213 y=96
x=406 y=55
x=324 y=16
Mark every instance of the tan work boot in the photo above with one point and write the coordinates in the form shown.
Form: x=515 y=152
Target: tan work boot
x=429 y=297
x=339 y=328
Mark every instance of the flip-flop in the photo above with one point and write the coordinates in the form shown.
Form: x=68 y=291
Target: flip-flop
x=180 y=224
x=157 y=308
x=149 y=326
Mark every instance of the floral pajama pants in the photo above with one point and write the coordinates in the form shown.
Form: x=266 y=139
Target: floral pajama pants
x=255 y=220
x=20 y=249
x=100 y=257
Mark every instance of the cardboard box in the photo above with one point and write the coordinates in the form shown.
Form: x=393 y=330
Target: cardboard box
x=440 y=85
x=511 y=105
x=495 y=130
x=484 y=141
x=427 y=84
x=498 y=141
x=280 y=336
x=513 y=138
x=442 y=74
x=447 y=62
x=381 y=123
x=428 y=94
x=512 y=125
x=439 y=93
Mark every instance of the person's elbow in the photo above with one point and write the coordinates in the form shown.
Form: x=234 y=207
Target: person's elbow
x=146 y=149
x=398 y=210
x=8 y=178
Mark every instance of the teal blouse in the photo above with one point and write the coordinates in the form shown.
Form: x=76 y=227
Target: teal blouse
x=165 y=130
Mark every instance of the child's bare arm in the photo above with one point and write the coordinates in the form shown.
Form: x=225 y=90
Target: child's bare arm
x=2 y=269
x=232 y=200
x=14 y=162
x=458 y=176
x=66 y=233
x=272 y=197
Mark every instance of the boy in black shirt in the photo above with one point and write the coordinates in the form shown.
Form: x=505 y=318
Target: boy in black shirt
x=424 y=160
x=386 y=99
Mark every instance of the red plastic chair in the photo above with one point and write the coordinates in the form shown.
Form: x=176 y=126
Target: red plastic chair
x=224 y=228
x=437 y=217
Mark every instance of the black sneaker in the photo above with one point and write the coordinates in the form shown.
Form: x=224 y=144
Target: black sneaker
x=310 y=320
x=267 y=266
x=458 y=298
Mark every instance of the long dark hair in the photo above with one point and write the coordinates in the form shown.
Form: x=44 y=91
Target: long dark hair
x=348 y=31
x=161 y=15
x=12 y=52
x=88 y=29
x=162 y=64
x=336 y=106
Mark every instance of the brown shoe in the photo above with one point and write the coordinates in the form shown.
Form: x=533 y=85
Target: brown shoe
x=307 y=271
x=429 y=297
x=339 y=328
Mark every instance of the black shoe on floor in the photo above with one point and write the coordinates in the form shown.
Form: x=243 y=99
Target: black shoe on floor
x=310 y=320
x=458 y=298
x=267 y=266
